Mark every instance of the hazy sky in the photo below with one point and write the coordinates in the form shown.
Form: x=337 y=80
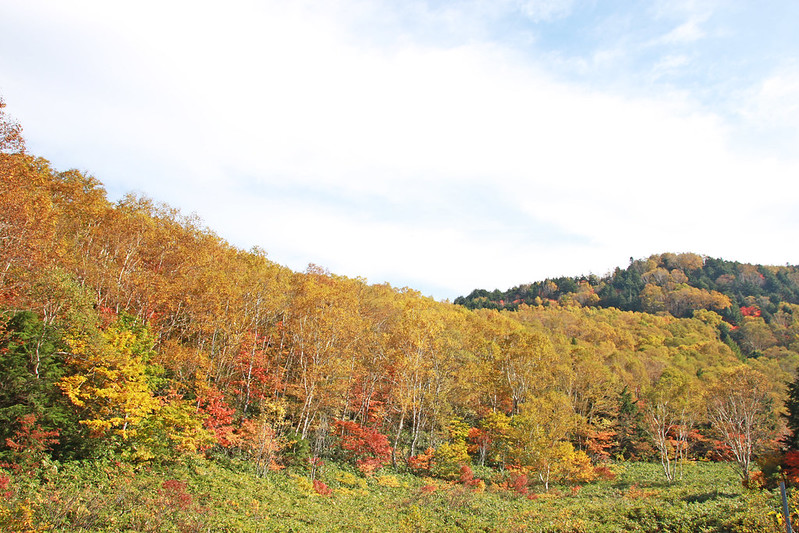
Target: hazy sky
x=444 y=146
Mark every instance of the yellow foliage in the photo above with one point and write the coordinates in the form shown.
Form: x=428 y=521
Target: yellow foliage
x=579 y=468
x=108 y=380
x=448 y=459
x=303 y=484
x=350 y=479
x=388 y=481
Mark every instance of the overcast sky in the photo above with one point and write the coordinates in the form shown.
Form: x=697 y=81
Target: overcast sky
x=444 y=146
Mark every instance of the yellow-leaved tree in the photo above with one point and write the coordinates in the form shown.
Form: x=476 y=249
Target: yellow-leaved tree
x=107 y=378
x=540 y=437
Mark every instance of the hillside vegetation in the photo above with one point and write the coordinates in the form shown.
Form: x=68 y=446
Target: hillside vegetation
x=675 y=283
x=134 y=340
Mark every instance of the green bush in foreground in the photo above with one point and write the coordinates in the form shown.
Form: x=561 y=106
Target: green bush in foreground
x=202 y=495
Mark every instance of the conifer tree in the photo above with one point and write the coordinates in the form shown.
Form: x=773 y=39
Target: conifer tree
x=791 y=440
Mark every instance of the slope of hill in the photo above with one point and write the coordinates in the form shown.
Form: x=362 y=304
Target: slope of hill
x=131 y=333
x=674 y=283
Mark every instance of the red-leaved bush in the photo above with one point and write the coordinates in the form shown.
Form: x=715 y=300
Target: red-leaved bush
x=790 y=466
x=174 y=495
x=420 y=464
x=365 y=446
x=467 y=477
x=321 y=488
x=5 y=485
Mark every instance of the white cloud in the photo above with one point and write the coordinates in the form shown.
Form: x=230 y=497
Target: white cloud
x=686 y=33
x=775 y=100
x=442 y=167
x=669 y=65
x=545 y=10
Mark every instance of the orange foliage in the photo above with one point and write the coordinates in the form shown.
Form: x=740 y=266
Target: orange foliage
x=321 y=488
x=599 y=443
x=751 y=310
x=428 y=489
x=420 y=464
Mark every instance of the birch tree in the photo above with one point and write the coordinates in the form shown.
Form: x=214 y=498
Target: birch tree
x=739 y=408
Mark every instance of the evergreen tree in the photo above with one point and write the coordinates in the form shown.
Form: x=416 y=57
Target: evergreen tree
x=31 y=362
x=629 y=426
x=792 y=416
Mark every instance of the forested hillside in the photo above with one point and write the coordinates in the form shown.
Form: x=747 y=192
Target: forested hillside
x=755 y=301
x=676 y=283
x=131 y=331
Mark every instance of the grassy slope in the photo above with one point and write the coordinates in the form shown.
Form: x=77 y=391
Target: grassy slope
x=200 y=495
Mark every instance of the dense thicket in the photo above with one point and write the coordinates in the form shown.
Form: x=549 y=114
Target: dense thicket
x=130 y=329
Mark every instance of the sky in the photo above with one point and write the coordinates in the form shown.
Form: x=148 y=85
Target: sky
x=442 y=146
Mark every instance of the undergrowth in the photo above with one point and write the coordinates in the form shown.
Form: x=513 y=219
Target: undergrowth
x=202 y=495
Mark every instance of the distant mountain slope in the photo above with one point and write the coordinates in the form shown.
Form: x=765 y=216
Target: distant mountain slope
x=675 y=283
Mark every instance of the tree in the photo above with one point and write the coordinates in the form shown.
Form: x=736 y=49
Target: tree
x=592 y=387
x=265 y=436
x=107 y=381
x=539 y=436
x=172 y=429
x=324 y=325
x=491 y=438
x=629 y=426
x=669 y=416
x=739 y=405
x=792 y=414
x=11 y=139
x=417 y=338
x=754 y=335
x=451 y=455
x=526 y=363
x=31 y=365
x=28 y=239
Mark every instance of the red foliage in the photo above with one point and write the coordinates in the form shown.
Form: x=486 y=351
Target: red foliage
x=518 y=483
x=790 y=466
x=467 y=477
x=599 y=443
x=603 y=472
x=719 y=451
x=428 y=489
x=480 y=440
x=30 y=439
x=220 y=416
x=5 y=485
x=107 y=316
x=466 y=474
x=366 y=446
x=321 y=488
x=254 y=368
x=316 y=463
x=174 y=494
x=752 y=310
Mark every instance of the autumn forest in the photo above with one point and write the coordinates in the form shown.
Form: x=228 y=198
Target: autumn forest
x=135 y=340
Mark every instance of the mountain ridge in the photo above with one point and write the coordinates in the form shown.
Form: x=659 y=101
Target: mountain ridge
x=676 y=283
